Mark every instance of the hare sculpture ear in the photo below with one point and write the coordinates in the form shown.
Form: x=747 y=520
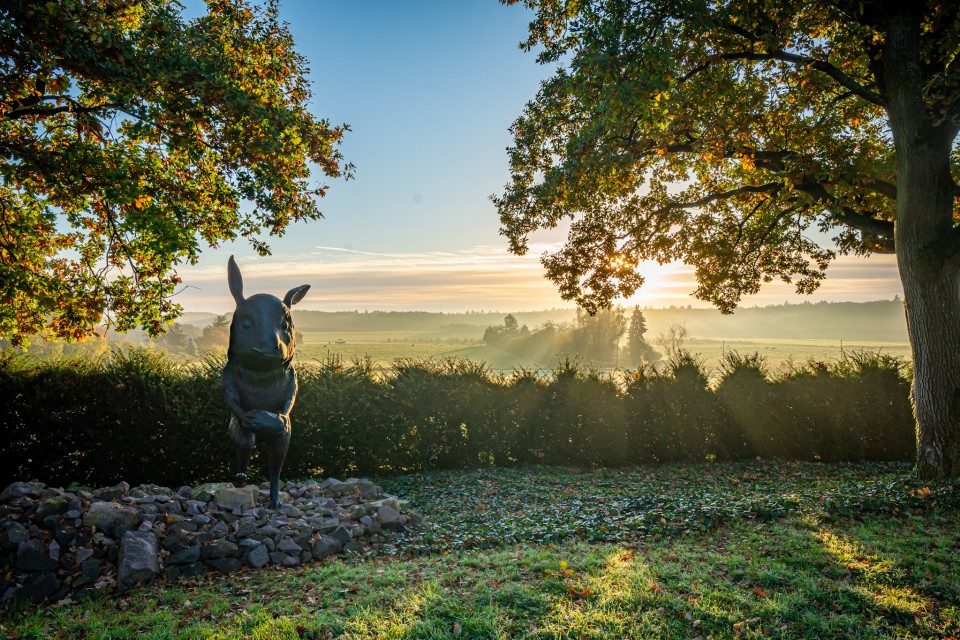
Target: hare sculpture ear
x=295 y=295
x=235 y=280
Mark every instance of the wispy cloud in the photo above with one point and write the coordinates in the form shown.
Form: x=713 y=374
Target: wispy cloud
x=460 y=260
x=479 y=278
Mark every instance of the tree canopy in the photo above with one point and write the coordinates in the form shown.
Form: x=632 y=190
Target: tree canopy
x=754 y=140
x=726 y=135
x=130 y=137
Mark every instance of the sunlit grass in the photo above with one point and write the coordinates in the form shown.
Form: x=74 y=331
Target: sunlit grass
x=803 y=572
x=802 y=577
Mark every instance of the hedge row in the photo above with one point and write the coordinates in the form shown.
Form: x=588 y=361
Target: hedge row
x=143 y=417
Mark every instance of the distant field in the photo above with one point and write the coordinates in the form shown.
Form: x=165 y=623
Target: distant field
x=780 y=353
x=362 y=337
x=381 y=353
x=374 y=345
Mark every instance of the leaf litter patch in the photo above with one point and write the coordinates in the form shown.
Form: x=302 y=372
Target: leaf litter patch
x=494 y=507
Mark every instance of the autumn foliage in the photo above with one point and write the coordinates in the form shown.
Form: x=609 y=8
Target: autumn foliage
x=130 y=139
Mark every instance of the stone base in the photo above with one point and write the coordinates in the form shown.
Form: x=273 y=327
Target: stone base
x=55 y=543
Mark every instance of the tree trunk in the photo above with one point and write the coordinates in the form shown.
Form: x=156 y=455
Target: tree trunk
x=933 y=320
x=929 y=265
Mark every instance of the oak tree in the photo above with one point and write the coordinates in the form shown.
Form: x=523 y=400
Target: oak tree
x=130 y=138
x=754 y=140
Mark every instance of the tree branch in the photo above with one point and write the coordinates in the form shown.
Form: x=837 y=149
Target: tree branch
x=776 y=161
x=72 y=106
x=882 y=187
x=742 y=223
x=877 y=234
x=823 y=66
x=770 y=187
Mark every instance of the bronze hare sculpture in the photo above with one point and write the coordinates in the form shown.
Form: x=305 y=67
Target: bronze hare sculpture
x=259 y=380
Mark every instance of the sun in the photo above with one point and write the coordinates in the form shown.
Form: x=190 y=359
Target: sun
x=619 y=262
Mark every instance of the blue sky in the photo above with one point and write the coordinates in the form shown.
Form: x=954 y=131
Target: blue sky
x=429 y=89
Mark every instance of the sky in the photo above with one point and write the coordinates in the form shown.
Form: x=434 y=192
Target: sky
x=429 y=89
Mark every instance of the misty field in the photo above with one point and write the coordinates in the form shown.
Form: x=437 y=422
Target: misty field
x=383 y=348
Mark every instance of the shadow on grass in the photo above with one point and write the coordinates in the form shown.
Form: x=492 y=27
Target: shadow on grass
x=719 y=556
x=793 y=579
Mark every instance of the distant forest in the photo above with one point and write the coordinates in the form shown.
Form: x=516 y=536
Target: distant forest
x=880 y=321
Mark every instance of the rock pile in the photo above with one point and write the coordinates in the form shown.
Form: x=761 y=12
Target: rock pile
x=56 y=543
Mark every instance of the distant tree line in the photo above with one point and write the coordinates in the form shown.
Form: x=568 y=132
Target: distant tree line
x=595 y=338
x=180 y=339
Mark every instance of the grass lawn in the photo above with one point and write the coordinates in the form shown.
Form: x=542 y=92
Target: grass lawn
x=724 y=550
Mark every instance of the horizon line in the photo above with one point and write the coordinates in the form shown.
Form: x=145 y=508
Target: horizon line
x=688 y=307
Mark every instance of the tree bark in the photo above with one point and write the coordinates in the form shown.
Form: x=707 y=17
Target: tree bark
x=929 y=266
x=933 y=320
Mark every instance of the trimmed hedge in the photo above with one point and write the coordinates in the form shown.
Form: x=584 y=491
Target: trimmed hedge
x=144 y=417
